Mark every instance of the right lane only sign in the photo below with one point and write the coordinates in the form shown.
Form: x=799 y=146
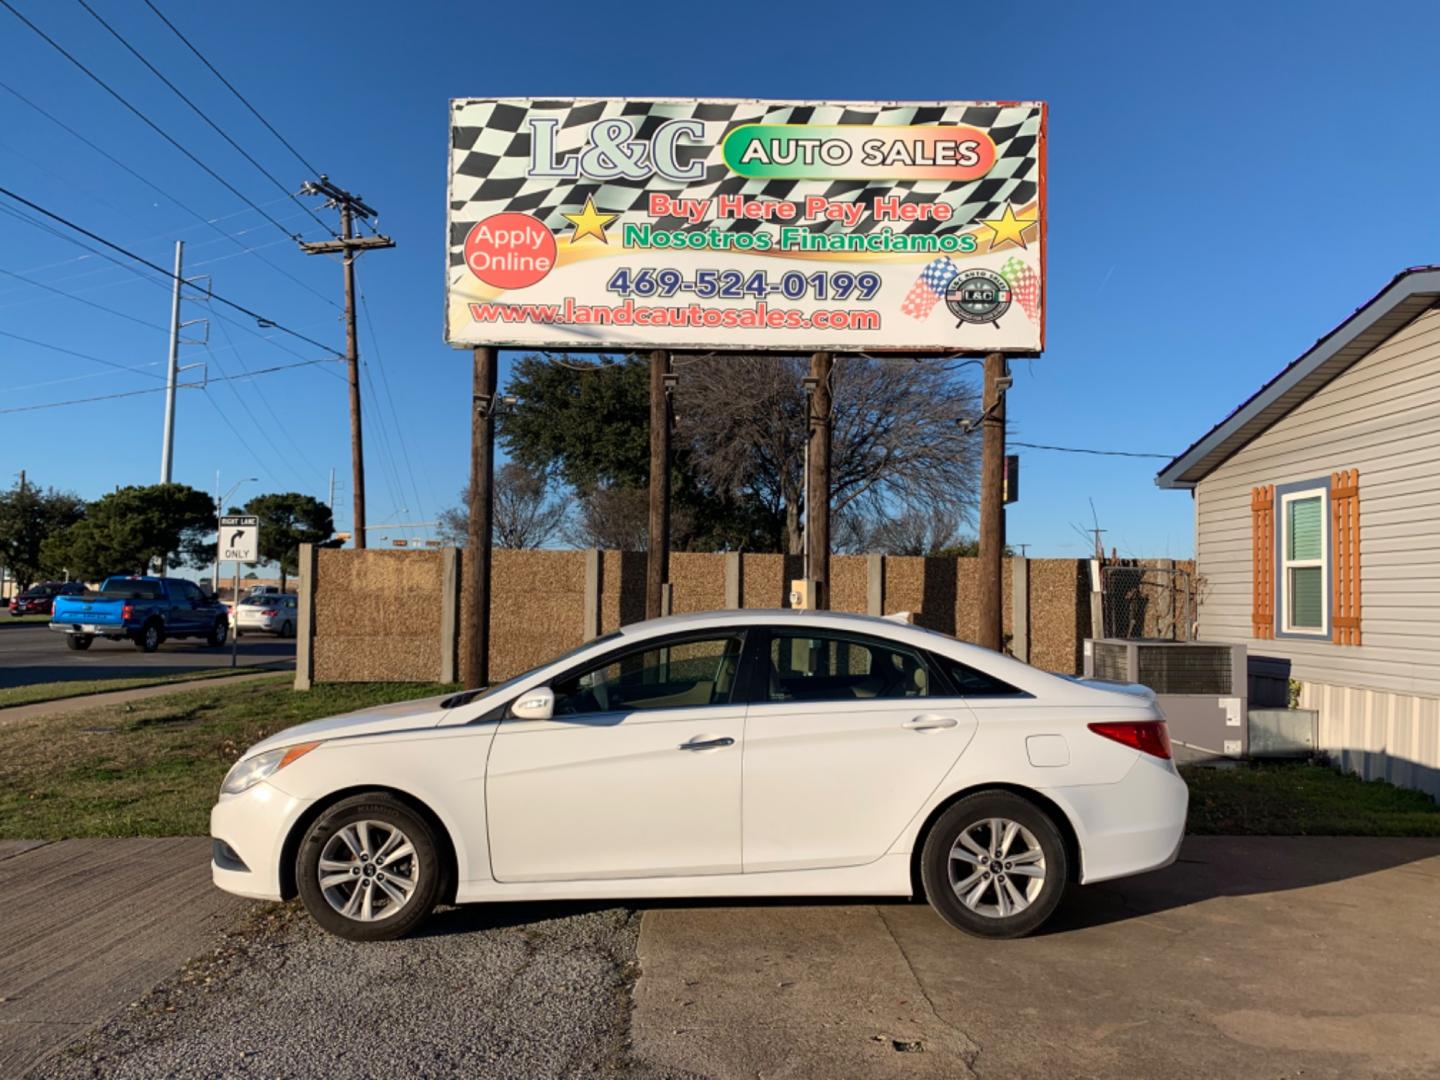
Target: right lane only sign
x=239 y=538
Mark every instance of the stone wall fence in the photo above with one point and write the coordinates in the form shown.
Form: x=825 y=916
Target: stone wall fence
x=378 y=615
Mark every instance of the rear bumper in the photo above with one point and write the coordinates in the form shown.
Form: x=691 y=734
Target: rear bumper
x=253 y=825
x=98 y=629
x=1128 y=827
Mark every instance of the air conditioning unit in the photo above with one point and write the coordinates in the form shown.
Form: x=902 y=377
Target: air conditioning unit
x=1200 y=685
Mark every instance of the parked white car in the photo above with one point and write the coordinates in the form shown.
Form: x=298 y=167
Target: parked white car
x=737 y=753
x=267 y=613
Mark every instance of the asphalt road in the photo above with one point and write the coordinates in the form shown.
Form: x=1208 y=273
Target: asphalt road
x=32 y=653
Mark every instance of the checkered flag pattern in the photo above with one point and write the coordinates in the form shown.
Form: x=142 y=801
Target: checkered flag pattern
x=1024 y=285
x=490 y=153
x=929 y=288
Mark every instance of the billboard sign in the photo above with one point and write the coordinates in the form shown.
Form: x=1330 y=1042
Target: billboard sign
x=747 y=225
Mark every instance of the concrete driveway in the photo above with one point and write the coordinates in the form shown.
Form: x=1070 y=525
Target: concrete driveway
x=1263 y=957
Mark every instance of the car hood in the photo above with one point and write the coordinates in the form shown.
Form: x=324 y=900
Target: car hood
x=378 y=720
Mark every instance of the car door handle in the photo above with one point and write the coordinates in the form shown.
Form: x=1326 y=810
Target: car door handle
x=930 y=723
x=707 y=744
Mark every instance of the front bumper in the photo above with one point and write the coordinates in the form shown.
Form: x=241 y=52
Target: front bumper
x=254 y=825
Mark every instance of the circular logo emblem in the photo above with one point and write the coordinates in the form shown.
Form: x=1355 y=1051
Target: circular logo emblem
x=978 y=296
x=510 y=250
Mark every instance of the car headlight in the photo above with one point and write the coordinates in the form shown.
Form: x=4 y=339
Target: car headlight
x=247 y=773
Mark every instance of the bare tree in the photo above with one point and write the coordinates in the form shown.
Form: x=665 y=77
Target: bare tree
x=527 y=514
x=911 y=532
x=618 y=519
x=896 y=443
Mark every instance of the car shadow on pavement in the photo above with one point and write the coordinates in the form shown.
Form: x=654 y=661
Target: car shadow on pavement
x=1209 y=867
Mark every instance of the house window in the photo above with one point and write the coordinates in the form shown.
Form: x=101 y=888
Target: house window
x=1303 y=571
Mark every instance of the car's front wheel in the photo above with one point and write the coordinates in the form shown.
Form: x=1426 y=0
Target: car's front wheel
x=368 y=869
x=219 y=634
x=994 y=864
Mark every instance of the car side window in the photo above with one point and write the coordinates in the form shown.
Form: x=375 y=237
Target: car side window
x=186 y=592
x=674 y=675
x=815 y=666
x=970 y=682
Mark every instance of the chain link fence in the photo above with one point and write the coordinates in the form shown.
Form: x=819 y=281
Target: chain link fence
x=1153 y=600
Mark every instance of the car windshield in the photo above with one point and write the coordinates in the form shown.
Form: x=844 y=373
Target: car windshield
x=468 y=697
x=132 y=589
x=256 y=601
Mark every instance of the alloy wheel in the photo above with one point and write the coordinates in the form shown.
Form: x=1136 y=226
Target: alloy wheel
x=997 y=867
x=368 y=871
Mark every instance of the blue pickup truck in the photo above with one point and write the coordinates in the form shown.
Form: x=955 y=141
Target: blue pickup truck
x=147 y=610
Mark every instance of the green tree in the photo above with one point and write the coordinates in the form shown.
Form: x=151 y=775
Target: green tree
x=127 y=530
x=28 y=516
x=287 y=520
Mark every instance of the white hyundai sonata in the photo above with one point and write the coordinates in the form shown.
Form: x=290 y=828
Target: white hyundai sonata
x=736 y=753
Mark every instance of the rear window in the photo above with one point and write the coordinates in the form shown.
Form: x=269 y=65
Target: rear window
x=132 y=590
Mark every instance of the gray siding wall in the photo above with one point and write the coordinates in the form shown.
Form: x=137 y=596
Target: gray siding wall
x=1383 y=418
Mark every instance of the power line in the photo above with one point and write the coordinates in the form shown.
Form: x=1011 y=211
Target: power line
x=142 y=117
x=253 y=111
x=161 y=191
x=390 y=397
x=80 y=299
x=167 y=274
x=160 y=389
x=200 y=113
x=1085 y=450
x=72 y=352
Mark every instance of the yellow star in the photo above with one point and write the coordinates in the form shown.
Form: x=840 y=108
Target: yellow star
x=589 y=222
x=1008 y=227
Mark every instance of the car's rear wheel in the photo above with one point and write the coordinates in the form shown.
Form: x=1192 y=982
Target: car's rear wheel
x=219 y=634
x=994 y=864
x=78 y=642
x=368 y=868
x=150 y=637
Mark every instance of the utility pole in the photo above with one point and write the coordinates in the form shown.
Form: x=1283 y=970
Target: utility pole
x=657 y=557
x=475 y=563
x=348 y=246
x=330 y=502
x=167 y=450
x=992 y=503
x=817 y=477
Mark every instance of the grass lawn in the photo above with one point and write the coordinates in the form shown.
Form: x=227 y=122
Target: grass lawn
x=153 y=767
x=57 y=691
x=8 y=618
x=1301 y=799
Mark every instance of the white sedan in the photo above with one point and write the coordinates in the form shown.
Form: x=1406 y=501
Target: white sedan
x=737 y=753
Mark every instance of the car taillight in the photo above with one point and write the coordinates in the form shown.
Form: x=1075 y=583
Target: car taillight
x=270 y=614
x=127 y=612
x=1149 y=736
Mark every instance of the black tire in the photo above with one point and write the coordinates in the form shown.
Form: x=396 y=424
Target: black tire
x=151 y=635
x=940 y=872
x=287 y=629
x=219 y=634
x=424 y=864
x=78 y=642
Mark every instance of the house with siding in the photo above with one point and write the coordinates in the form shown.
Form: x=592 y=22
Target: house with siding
x=1317 y=531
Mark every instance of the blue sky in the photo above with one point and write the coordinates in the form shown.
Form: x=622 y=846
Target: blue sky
x=1226 y=182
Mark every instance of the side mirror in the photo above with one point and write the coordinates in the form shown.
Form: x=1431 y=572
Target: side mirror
x=537 y=704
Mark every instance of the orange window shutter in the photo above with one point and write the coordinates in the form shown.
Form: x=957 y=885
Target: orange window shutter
x=1345 y=545
x=1262 y=542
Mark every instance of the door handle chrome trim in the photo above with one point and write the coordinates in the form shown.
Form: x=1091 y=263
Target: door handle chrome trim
x=707 y=744
x=930 y=723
